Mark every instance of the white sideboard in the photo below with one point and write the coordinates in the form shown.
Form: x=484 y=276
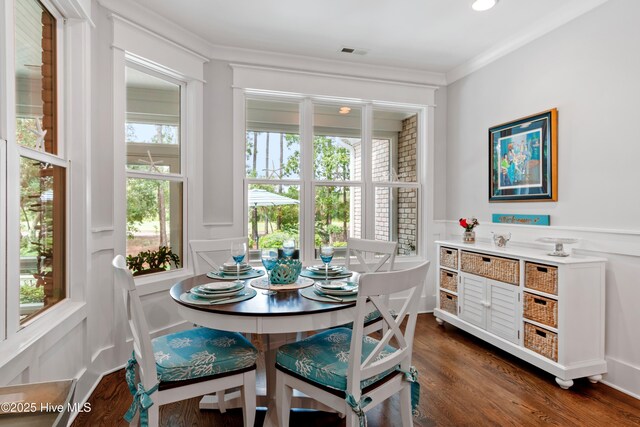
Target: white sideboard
x=543 y=309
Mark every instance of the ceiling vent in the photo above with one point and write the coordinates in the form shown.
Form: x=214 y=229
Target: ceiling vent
x=353 y=50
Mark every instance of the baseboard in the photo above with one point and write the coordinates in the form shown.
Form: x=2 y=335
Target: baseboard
x=622 y=376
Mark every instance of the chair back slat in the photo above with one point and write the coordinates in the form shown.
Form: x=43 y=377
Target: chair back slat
x=359 y=248
x=137 y=323
x=208 y=254
x=375 y=288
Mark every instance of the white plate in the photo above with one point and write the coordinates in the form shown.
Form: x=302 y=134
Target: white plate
x=334 y=284
x=331 y=267
x=350 y=289
x=218 y=287
x=232 y=265
x=322 y=272
x=207 y=295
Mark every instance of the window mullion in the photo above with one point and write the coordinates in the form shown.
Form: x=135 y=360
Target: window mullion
x=157 y=176
x=3 y=237
x=368 y=196
x=12 y=296
x=307 y=223
x=42 y=156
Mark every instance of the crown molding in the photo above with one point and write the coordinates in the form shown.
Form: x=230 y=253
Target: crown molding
x=155 y=23
x=158 y=25
x=532 y=32
x=327 y=66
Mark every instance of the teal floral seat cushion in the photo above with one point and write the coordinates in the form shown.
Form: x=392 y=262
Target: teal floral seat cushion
x=201 y=352
x=324 y=358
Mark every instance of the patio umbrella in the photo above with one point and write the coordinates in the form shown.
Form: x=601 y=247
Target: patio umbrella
x=258 y=197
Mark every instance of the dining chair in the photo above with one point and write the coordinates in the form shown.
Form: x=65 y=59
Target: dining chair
x=211 y=254
x=357 y=250
x=184 y=364
x=360 y=253
x=349 y=371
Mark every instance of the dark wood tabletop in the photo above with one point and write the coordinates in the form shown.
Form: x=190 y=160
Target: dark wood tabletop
x=283 y=303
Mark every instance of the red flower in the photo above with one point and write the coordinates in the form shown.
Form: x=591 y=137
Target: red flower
x=468 y=225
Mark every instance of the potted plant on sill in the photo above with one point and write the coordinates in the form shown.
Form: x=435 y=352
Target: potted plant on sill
x=147 y=262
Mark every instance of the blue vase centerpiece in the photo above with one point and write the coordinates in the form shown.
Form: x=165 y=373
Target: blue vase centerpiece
x=285 y=272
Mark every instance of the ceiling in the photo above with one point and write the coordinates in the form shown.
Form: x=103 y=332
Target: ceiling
x=430 y=35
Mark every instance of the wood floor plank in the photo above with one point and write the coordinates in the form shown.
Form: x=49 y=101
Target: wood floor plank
x=464 y=382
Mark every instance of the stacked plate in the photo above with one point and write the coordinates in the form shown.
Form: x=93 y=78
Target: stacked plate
x=336 y=288
x=215 y=290
x=230 y=267
x=333 y=270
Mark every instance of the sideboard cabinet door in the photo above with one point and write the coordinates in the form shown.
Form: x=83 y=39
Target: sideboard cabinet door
x=503 y=314
x=473 y=300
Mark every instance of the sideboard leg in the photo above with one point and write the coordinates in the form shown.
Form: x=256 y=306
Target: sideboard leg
x=564 y=384
x=440 y=321
x=595 y=378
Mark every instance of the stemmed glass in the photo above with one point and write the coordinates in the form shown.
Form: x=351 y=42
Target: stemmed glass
x=326 y=255
x=288 y=247
x=238 y=252
x=269 y=260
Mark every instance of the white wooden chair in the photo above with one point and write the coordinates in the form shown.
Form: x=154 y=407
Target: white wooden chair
x=184 y=364
x=357 y=250
x=384 y=255
x=211 y=254
x=350 y=372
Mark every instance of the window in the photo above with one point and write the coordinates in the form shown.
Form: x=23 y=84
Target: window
x=155 y=179
x=356 y=172
x=37 y=151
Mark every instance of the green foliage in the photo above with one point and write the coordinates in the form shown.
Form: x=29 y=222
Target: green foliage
x=332 y=159
x=142 y=194
x=31 y=294
x=275 y=240
x=339 y=244
x=147 y=260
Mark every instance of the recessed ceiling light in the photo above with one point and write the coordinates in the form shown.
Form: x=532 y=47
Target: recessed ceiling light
x=344 y=110
x=482 y=5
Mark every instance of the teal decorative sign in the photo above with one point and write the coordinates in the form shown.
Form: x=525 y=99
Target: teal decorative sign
x=521 y=219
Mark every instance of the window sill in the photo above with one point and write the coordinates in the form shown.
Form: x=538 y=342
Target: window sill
x=49 y=327
x=159 y=282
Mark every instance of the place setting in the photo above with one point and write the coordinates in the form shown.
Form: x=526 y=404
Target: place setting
x=237 y=270
x=326 y=271
x=332 y=291
x=218 y=293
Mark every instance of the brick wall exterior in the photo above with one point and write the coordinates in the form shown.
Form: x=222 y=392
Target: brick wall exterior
x=407 y=207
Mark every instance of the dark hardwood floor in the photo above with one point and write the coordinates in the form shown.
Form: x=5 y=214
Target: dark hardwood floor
x=464 y=382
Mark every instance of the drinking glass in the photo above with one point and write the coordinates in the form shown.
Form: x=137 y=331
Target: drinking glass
x=269 y=260
x=326 y=255
x=288 y=247
x=238 y=252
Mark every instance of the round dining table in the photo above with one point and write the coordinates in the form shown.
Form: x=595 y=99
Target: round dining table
x=279 y=318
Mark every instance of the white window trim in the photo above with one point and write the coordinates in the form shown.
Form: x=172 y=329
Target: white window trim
x=73 y=37
x=135 y=44
x=308 y=184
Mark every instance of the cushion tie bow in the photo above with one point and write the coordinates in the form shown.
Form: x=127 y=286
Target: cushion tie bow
x=141 y=398
x=357 y=406
x=412 y=376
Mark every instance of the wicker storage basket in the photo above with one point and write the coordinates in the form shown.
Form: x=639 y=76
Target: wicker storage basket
x=541 y=309
x=449 y=280
x=543 y=278
x=502 y=269
x=449 y=257
x=541 y=341
x=449 y=302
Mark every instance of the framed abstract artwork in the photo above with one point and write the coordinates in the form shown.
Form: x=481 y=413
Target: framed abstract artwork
x=523 y=159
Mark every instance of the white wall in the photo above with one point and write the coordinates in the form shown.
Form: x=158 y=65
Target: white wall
x=589 y=69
